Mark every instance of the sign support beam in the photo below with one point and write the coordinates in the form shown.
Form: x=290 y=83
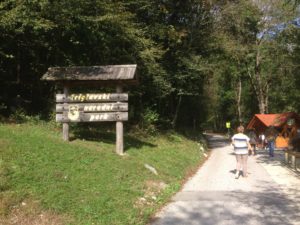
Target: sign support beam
x=119 y=129
x=66 y=125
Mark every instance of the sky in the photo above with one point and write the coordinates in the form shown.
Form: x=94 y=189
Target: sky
x=273 y=31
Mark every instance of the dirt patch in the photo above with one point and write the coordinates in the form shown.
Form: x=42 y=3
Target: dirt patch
x=29 y=213
x=151 y=191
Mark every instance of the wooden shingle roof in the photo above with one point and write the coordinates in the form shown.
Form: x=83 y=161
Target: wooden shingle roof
x=260 y=122
x=110 y=73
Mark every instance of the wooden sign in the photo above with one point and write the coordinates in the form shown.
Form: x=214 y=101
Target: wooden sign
x=93 y=107
x=76 y=116
x=78 y=107
x=97 y=107
x=109 y=97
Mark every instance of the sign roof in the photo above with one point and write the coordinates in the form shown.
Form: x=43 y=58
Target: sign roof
x=92 y=73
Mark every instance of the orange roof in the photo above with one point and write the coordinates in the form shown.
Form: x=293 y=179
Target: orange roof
x=261 y=121
x=269 y=119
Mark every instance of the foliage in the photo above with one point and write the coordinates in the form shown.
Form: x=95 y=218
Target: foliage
x=180 y=47
x=166 y=39
x=234 y=31
x=150 y=119
x=248 y=55
x=288 y=74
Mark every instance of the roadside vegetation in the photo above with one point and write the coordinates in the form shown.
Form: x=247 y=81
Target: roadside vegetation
x=45 y=180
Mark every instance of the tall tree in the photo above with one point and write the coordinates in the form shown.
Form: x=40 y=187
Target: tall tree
x=273 y=13
x=235 y=28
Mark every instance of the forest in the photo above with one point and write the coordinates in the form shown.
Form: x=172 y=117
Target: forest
x=200 y=62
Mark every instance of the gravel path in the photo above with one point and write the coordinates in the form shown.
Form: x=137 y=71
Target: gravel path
x=269 y=196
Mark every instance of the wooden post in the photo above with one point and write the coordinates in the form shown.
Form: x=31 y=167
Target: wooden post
x=286 y=157
x=296 y=163
x=119 y=130
x=66 y=125
x=293 y=161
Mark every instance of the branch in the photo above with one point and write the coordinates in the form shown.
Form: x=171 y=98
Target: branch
x=252 y=79
x=267 y=83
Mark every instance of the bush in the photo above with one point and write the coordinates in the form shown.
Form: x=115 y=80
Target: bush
x=149 y=120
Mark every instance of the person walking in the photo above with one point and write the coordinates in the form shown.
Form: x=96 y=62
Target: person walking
x=241 y=146
x=262 y=139
x=271 y=134
x=253 y=141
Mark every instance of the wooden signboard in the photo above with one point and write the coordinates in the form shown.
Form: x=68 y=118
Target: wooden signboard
x=73 y=108
x=93 y=107
x=102 y=97
x=77 y=116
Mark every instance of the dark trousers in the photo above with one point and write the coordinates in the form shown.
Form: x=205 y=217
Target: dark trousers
x=271 y=146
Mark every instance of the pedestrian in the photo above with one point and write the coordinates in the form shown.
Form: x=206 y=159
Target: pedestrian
x=241 y=145
x=253 y=141
x=271 y=134
x=262 y=139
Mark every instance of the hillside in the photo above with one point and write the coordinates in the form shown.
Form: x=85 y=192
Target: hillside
x=47 y=181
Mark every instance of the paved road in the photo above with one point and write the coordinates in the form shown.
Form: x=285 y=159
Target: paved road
x=269 y=196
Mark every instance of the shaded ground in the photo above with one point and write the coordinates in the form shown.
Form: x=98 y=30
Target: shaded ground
x=270 y=195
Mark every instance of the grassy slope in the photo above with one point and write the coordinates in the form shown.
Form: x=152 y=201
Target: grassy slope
x=86 y=180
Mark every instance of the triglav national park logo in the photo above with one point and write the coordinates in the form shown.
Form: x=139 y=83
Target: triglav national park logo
x=73 y=113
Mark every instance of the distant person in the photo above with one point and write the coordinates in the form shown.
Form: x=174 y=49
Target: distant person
x=262 y=139
x=253 y=142
x=271 y=134
x=241 y=145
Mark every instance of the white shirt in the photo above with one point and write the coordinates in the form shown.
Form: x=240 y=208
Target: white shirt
x=240 y=143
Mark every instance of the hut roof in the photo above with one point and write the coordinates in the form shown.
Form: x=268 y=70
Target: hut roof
x=260 y=122
x=124 y=73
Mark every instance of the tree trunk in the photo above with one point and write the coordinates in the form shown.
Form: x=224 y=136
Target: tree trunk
x=260 y=85
x=267 y=99
x=239 y=95
x=176 y=112
x=262 y=97
x=261 y=104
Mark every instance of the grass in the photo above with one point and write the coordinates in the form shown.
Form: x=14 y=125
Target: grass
x=84 y=181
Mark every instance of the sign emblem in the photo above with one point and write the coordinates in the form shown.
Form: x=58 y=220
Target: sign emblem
x=73 y=113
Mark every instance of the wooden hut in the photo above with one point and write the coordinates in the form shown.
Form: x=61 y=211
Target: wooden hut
x=285 y=123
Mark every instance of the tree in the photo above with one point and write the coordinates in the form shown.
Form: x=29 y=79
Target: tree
x=182 y=30
x=261 y=76
x=247 y=37
x=38 y=34
x=235 y=28
x=167 y=39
